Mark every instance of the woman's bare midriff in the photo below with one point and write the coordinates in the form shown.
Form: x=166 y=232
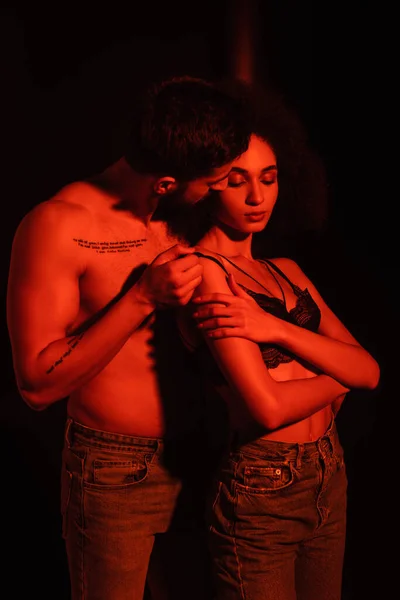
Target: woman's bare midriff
x=306 y=430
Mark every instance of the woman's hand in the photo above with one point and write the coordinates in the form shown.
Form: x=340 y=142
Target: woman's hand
x=238 y=315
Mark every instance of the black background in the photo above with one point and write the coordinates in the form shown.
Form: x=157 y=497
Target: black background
x=67 y=74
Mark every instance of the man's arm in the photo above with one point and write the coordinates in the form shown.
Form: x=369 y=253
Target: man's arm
x=51 y=359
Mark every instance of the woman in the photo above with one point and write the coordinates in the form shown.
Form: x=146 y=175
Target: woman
x=267 y=341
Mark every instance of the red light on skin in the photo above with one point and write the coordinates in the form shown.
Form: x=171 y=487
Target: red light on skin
x=256 y=216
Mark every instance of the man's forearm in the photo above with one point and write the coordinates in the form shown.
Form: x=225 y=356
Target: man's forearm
x=67 y=364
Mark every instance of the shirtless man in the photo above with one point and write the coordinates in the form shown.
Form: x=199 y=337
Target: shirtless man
x=94 y=278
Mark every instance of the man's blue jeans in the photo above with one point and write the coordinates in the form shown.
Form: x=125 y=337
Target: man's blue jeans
x=117 y=494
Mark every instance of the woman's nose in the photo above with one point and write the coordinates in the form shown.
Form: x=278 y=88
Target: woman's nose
x=255 y=196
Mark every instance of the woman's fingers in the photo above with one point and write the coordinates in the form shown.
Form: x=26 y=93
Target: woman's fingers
x=217 y=298
x=209 y=312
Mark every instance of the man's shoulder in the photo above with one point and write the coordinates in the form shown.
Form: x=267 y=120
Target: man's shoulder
x=78 y=197
x=74 y=200
x=57 y=214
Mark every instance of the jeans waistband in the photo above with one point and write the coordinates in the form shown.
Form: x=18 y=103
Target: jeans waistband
x=73 y=428
x=328 y=443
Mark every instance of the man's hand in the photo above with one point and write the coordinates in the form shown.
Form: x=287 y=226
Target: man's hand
x=172 y=277
x=238 y=315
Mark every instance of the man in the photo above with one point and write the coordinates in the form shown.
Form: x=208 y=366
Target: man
x=93 y=279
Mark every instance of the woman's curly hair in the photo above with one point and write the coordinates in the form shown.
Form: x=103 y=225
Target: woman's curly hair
x=303 y=199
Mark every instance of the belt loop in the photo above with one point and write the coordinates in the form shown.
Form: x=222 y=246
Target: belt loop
x=300 y=452
x=330 y=438
x=325 y=446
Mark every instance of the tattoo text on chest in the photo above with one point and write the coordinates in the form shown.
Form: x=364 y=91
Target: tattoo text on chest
x=110 y=247
x=72 y=343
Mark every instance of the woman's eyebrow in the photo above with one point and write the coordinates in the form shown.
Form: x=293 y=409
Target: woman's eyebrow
x=238 y=170
x=244 y=171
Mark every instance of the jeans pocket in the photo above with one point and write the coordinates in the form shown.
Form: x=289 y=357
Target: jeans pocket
x=259 y=480
x=110 y=469
x=115 y=473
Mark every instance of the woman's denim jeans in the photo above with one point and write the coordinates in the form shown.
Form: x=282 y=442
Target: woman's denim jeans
x=277 y=521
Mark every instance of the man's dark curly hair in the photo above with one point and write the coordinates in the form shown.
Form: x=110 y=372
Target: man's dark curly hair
x=185 y=127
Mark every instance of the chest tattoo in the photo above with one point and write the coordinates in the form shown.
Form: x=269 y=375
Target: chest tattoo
x=110 y=247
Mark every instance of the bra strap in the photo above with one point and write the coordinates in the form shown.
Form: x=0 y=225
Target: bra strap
x=217 y=262
x=269 y=264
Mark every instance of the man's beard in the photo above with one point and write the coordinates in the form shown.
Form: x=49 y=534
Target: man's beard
x=184 y=220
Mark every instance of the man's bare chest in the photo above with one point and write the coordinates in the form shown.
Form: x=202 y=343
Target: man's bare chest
x=115 y=261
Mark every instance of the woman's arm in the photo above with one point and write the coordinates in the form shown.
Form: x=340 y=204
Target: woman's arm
x=271 y=403
x=333 y=350
x=337 y=404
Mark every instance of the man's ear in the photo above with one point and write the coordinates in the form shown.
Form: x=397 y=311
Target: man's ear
x=165 y=185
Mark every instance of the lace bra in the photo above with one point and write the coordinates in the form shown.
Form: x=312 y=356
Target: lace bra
x=305 y=314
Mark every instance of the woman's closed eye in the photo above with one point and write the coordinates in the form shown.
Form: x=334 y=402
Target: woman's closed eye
x=239 y=182
x=236 y=182
x=269 y=181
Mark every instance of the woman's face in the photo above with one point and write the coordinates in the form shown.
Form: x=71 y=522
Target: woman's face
x=246 y=204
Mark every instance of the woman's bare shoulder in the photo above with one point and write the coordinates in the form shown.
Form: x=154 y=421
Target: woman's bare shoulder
x=291 y=269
